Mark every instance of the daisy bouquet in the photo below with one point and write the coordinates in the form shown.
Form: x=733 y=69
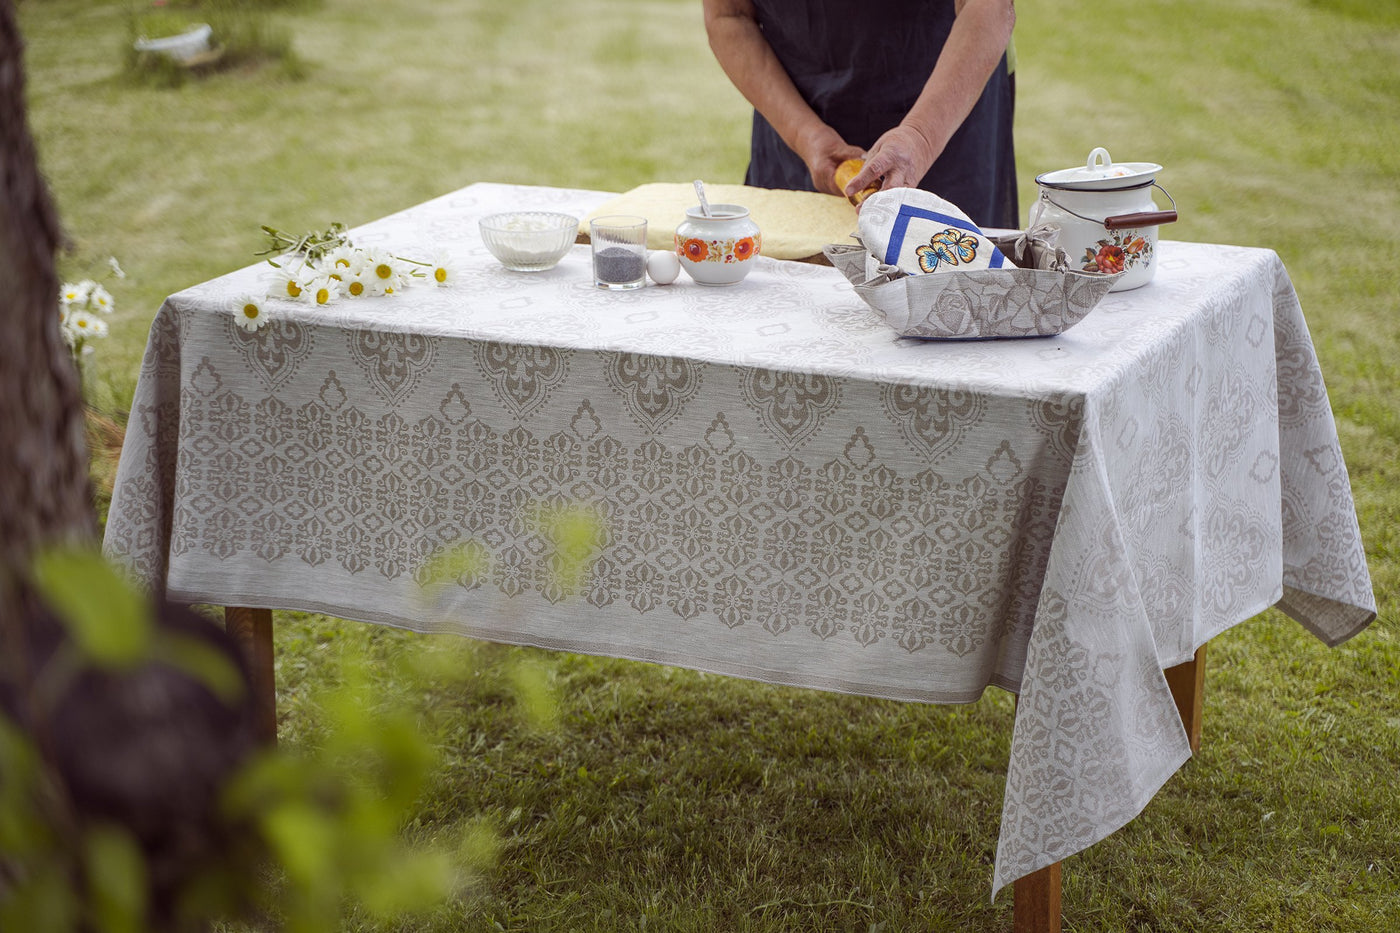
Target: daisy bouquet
x=323 y=266
x=82 y=309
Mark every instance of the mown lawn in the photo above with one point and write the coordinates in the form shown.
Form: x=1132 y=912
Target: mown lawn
x=671 y=800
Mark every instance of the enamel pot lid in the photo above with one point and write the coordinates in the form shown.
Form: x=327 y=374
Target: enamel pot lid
x=1101 y=173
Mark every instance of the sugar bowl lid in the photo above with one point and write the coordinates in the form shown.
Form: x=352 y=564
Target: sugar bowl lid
x=1101 y=173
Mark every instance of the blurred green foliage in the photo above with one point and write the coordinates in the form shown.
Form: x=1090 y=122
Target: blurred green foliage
x=324 y=820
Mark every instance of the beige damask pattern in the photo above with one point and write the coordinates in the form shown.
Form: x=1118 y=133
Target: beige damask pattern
x=392 y=363
x=785 y=490
x=654 y=389
x=790 y=405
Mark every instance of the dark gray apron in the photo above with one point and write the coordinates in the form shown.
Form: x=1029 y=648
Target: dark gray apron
x=861 y=66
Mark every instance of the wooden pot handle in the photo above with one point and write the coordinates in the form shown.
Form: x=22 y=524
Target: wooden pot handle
x=1142 y=219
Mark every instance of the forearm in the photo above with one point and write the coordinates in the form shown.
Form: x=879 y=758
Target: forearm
x=975 y=46
x=748 y=60
x=746 y=57
x=976 y=43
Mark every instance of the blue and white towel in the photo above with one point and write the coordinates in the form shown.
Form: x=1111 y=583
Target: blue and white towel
x=919 y=232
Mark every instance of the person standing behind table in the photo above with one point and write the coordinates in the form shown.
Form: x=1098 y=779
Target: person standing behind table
x=920 y=89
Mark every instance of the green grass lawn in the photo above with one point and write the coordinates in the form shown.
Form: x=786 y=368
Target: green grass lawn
x=671 y=800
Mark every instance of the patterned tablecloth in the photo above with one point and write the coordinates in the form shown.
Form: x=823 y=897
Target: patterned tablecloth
x=787 y=491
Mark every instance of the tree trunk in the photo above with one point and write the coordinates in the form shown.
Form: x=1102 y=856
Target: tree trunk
x=44 y=489
x=149 y=749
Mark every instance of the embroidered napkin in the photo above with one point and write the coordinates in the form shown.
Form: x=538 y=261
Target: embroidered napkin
x=919 y=232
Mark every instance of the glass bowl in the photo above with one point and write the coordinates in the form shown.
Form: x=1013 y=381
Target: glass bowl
x=529 y=241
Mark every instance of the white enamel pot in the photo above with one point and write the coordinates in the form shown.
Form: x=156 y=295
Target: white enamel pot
x=1106 y=216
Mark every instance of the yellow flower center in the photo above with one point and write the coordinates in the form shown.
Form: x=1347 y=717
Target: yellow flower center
x=250 y=311
x=388 y=291
x=440 y=274
x=293 y=289
x=336 y=277
x=383 y=270
x=342 y=262
x=323 y=295
x=357 y=288
x=81 y=323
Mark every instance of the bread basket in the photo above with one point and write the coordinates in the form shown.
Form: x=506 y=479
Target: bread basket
x=1040 y=297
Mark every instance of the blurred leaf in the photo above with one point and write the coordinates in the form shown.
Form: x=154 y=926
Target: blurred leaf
x=480 y=847
x=412 y=881
x=464 y=563
x=333 y=813
x=533 y=691
x=305 y=840
x=442 y=660
x=407 y=760
x=369 y=823
x=270 y=776
x=116 y=871
x=108 y=619
x=22 y=831
x=203 y=661
x=41 y=901
x=576 y=531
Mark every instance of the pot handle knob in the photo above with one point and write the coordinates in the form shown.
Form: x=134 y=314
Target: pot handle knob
x=1099 y=159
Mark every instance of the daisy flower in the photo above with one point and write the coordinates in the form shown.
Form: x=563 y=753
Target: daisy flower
x=386 y=275
x=289 y=279
x=99 y=299
x=84 y=324
x=75 y=294
x=340 y=262
x=248 y=313
x=355 y=282
x=322 y=290
x=442 y=271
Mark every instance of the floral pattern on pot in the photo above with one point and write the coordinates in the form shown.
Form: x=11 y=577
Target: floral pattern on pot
x=1123 y=251
x=733 y=250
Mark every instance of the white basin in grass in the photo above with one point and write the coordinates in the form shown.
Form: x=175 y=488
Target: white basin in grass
x=193 y=41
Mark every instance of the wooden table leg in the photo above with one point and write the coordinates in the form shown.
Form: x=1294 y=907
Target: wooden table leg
x=252 y=630
x=1037 y=901
x=1187 y=682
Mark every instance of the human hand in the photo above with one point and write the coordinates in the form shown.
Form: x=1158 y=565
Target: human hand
x=902 y=157
x=822 y=149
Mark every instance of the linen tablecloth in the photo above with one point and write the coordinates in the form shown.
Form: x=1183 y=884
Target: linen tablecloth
x=786 y=490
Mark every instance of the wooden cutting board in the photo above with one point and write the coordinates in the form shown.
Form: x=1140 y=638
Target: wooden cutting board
x=794 y=224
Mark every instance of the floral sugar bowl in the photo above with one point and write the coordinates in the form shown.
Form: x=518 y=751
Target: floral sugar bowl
x=718 y=248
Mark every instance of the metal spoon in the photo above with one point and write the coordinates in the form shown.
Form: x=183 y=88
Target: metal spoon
x=700 y=193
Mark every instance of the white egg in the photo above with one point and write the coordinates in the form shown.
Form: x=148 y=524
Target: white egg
x=663 y=267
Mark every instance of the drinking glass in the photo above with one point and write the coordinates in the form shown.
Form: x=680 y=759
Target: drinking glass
x=619 y=251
